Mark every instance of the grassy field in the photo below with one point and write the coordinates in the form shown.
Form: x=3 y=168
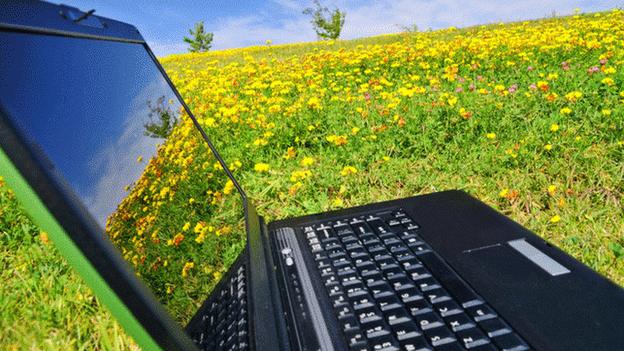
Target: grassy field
x=528 y=117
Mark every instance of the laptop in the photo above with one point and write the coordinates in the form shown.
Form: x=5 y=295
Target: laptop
x=106 y=157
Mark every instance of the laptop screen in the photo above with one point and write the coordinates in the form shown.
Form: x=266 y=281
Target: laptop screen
x=110 y=124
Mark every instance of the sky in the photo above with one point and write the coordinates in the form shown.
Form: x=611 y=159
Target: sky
x=244 y=23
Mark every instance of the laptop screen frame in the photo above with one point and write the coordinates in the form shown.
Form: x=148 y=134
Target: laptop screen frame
x=53 y=205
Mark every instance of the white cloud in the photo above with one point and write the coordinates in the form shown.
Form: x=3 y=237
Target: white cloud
x=379 y=17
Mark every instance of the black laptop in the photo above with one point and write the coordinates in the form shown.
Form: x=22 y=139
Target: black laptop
x=108 y=159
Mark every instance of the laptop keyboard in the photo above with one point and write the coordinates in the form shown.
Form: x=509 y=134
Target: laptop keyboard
x=390 y=291
x=224 y=323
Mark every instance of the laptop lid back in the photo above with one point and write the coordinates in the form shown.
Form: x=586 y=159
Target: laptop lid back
x=109 y=160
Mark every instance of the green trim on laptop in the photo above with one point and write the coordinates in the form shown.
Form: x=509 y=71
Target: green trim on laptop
x=42 y=217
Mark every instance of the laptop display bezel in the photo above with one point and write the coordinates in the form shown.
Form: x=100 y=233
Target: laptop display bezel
x=28 y=166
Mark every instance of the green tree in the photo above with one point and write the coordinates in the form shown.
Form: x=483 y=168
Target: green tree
x=200 y=41
x=327 y=24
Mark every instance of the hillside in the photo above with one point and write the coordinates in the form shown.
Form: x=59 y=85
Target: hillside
x=528 y=117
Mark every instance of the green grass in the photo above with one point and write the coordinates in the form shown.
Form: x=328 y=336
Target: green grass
x=44 y=305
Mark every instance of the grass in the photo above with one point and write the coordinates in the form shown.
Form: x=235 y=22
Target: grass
x=510 y=113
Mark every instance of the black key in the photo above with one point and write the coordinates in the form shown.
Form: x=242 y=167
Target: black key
x=349 y=324
x=415 y=344
x=386 y=299
x=397 y=316
x=480 y=312
x=459 y=322
x=472 y=337
x=370 y=318
x=428 y=320
x=447 y=308
x=384 y=343
x=359 y=346
x=378 y=286
x=409 y=294
x=436 y=295
x=449 y=279
x=418 y=307
x=376 y=330
x=406 y=331
x=494 y=327
x=439 y=336
x=426 y=284
x=510 y=342
x=419 y=248
x=354 y=337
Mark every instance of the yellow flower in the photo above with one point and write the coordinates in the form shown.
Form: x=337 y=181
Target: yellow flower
x=548 y=147
x=608 y=81
x=565 y=111
x=229 y=186
x=186 y=226
x=43 y=236
x=307 y=161
x=554 y=127
x=337 y=140
x=552 y=189
x=491 y=135
x=504 y=192
x=337 y=202
x=314 y=103
x=355 y=130
x=606 y=112
x=261 y=167
x=347 y=170
x=187 y=267
x=573 y=96
x=555 y=219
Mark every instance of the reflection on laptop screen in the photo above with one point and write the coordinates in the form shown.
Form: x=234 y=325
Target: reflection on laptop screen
x=108 y=121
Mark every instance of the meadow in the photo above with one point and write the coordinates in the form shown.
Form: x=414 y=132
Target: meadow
x=527 y=116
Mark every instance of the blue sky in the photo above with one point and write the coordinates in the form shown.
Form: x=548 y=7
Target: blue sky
x=243 y=23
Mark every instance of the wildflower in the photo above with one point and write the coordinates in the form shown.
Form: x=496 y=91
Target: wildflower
x=554 y=127
x=608 y=81
x=307 y=161
x=186 y=226
x=593 y=69
x=565 y=111
x=296 y=176
x=504 y=192
x=355 y=130
x=565 y=66
x=177 y=239
x=261 y=167
x=512 y=89
x=229 y=186
x=573 y=96
x=199 y=227
x=187 y=267
x=337 y=202
x=491 y=135
x=465 y=114
x=337 y=140
x=606 y=112
x=552 y=189
x=555 y=219
x=314 y=103
x=548 y=147
x=347 y=170
x=542 y=85
x=290 y=153
x=43 y=236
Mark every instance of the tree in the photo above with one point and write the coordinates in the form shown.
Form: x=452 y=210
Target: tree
x=327 y=24
x=201 y=41
x=165 y=116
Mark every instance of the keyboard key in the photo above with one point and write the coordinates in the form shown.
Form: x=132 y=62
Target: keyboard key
x=510 y=342
x=472 y=337
x=447 y=308
x=494 y=327
x=459 y=322
x=406 y=331
x=481 y=312
x=428 y=320
x=415 y=344
x=439 y=336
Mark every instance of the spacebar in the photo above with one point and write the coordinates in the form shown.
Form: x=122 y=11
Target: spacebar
x=449 y=279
